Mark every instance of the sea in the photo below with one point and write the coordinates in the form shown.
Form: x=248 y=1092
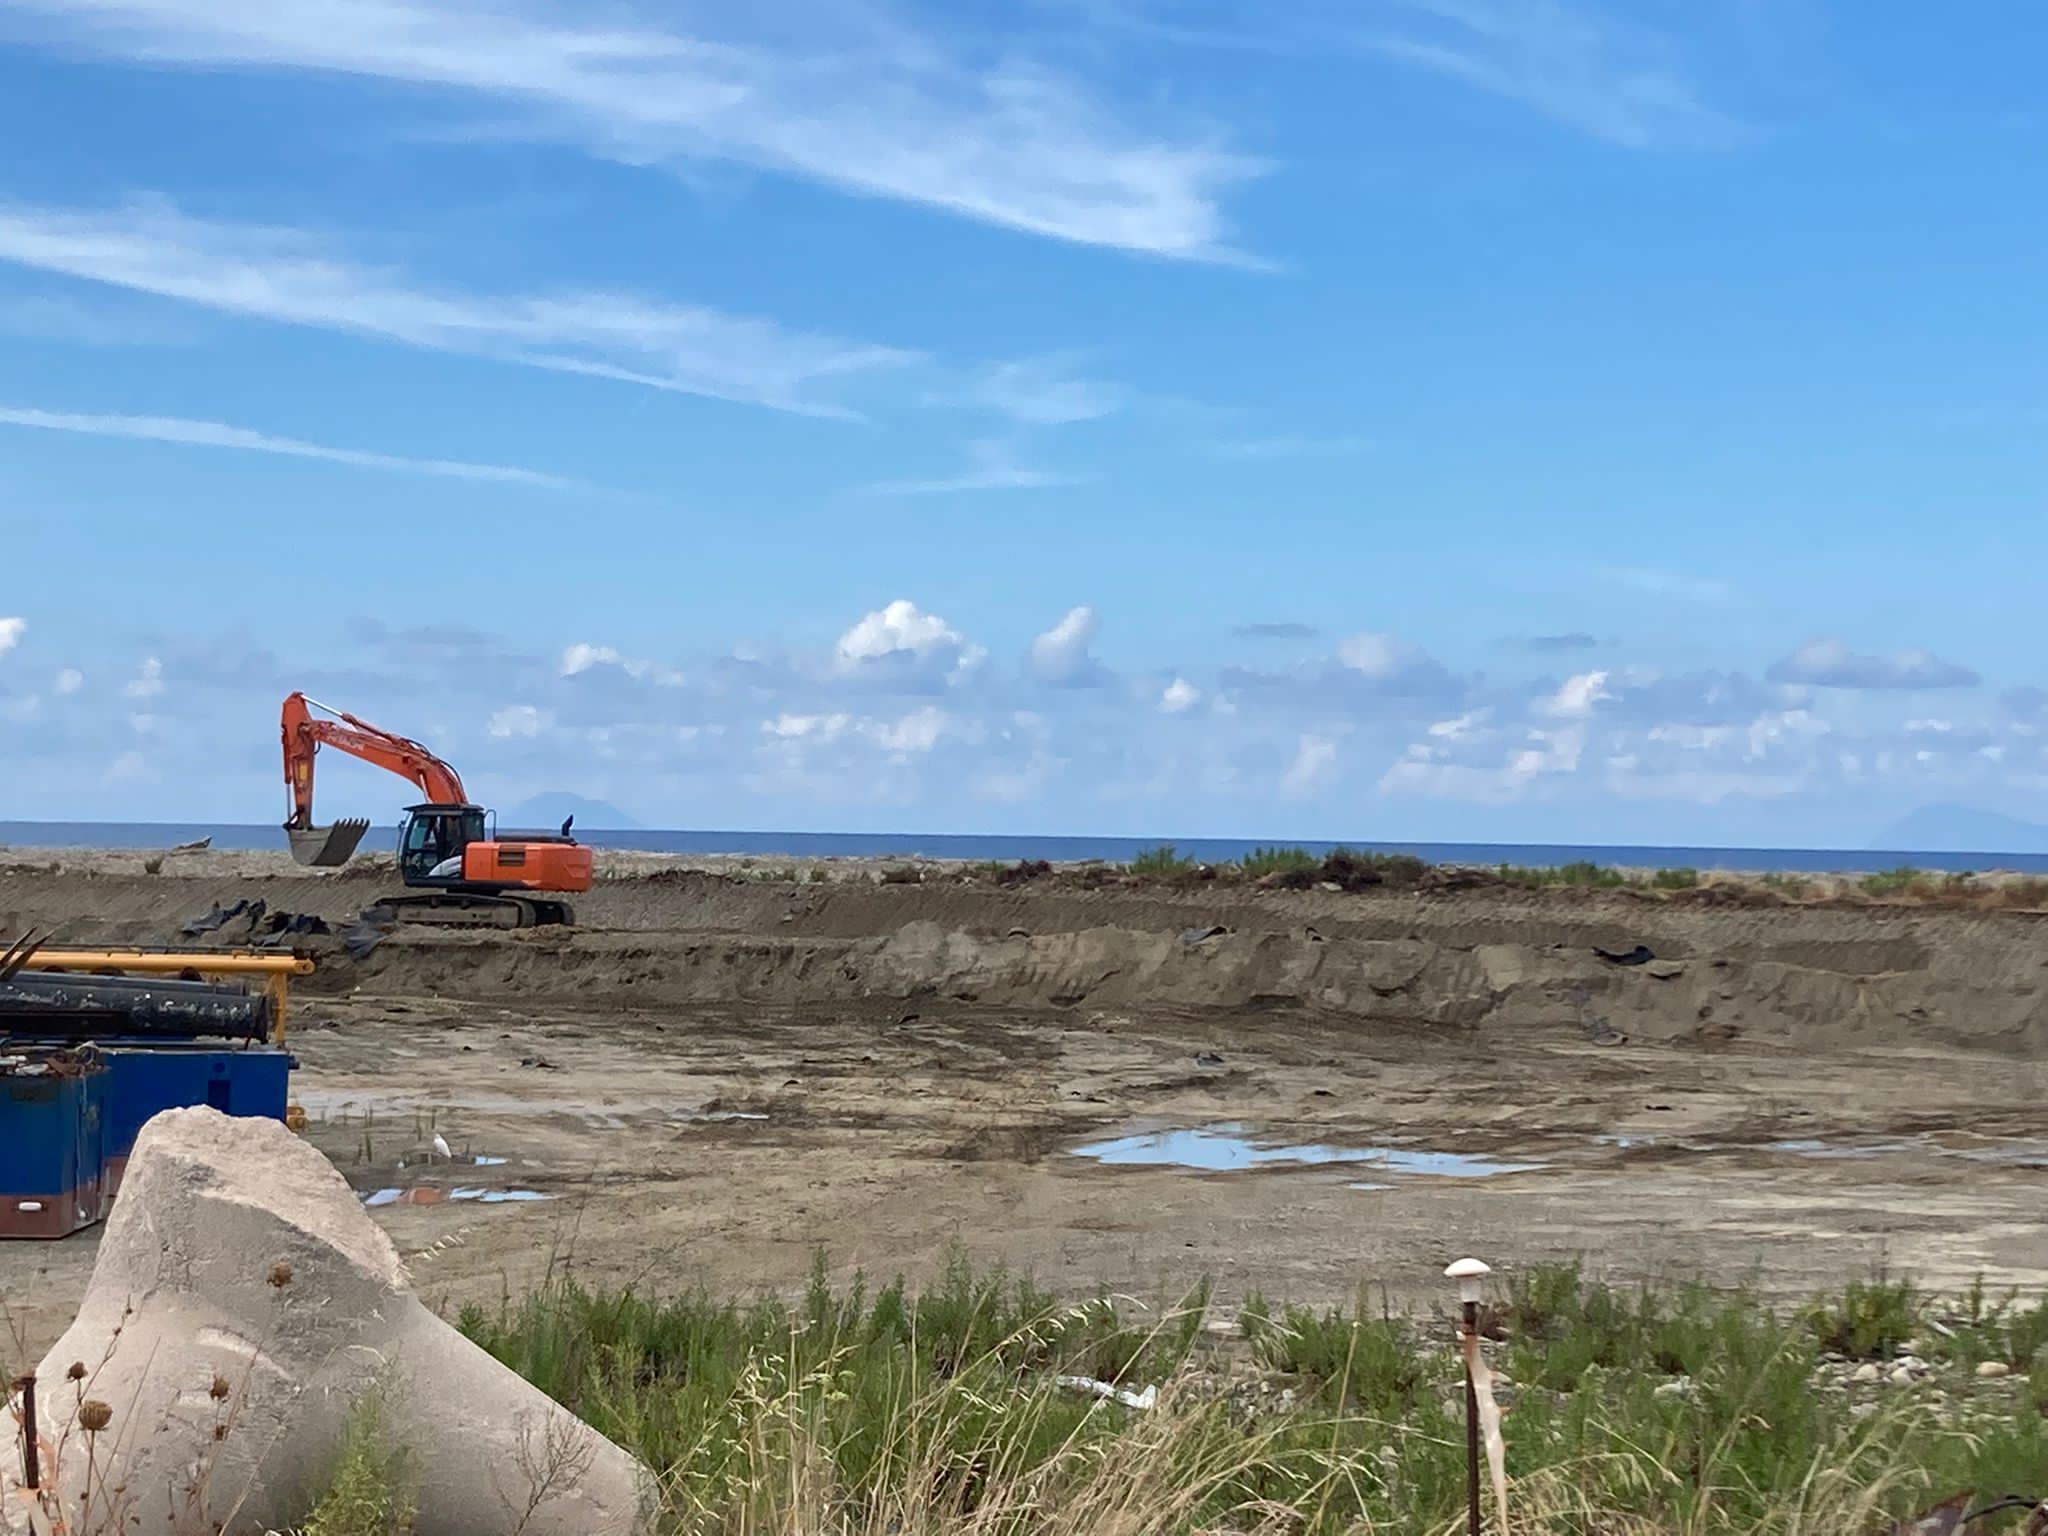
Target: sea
x=974 y=846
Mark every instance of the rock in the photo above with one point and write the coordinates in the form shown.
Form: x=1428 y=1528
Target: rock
x=1663 y=970
x=1991 y=1370
x=237 y=1254
x=1911 y=1348
x=1867 y=1372
x=1902 y=1377
x=1682 y=1387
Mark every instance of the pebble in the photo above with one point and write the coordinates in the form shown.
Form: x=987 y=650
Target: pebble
x=1991 y=1369
x=1867 y=1372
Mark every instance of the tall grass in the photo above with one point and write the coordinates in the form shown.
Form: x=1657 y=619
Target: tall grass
x=1681 y=1411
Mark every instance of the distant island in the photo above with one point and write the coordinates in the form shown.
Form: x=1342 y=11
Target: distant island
x=549 y=810
x=1962 y=829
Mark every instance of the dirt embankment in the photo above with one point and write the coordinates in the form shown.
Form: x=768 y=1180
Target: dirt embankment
x=656 y=932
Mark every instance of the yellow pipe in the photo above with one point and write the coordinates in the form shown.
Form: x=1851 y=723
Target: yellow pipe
x=277 y=970
x=206 y=963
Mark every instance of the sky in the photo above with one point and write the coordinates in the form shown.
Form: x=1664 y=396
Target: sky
x=1450 y=420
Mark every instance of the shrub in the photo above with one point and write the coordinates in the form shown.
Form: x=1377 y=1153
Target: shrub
x=1903 y=881
x=1163 y=862
x=1263 y=862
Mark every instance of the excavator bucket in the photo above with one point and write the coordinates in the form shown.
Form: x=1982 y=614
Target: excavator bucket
x=326 y=847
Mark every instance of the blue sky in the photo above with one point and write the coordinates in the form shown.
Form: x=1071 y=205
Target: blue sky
x=1615 y=420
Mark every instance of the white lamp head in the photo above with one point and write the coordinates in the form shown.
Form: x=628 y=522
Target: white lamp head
x=1471 y=1277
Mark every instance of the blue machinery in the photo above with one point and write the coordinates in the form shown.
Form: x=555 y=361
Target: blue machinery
x=94 y=1043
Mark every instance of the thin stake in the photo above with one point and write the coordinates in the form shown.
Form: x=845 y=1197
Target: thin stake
x=31 y=1474
x=1471 y=1426
x=1471 y=1277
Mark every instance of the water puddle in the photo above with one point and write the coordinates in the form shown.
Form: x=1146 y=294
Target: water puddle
x=1226 y=1148
x=1845 y=1150
x=427 y=1194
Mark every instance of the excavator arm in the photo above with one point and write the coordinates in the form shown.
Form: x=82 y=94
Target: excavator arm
x=305 y=733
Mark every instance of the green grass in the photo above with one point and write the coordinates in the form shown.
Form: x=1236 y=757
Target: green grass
x=1903 y=881
x=370 y=1492
x=1579 y=873
x=1261 y=862
x=1163 y=862
x=1635 y=1412
x=1680 y=879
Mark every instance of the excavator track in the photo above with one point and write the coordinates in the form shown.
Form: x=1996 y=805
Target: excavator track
x=475 y=909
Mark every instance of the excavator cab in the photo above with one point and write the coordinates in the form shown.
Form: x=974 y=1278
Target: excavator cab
x=431 y=837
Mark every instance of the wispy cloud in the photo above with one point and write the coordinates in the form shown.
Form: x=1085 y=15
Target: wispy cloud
x=992 y=470
x=1831 y=664
x=1548 y=645
x=1571 y=63
x=841 y=95
x=288 y=276
x=215 y=434
x=1293 y=445
x=1038 y=392
x=54 y=317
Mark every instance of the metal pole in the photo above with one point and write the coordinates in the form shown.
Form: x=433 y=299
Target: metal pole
x=1471 y=1277
x=31 y=1474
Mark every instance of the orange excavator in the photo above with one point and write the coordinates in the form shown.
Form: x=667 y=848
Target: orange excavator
x=447 y=848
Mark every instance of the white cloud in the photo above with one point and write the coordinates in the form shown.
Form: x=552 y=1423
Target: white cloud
x=67 y=682
x=288 y=276
x=1179 y=697
x=520 y=721
x=807 y=727
x=581 y=657
x=1060 y=655
x=1831 y=664
x=149 y=682
x=1576 y=699
x=1463 y=728
x=11 y=631
x=1577 y=64
x=1042 y=392
x=918 y=731
x=842 y=95
x=903 y=638
x=994 y=469
x=130 y=767
x=1569 y=63
x=1315 y=760
x=215 y=434
x=1377 y=656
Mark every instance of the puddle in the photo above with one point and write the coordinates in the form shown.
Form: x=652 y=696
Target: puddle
x=490 y=1162
x=1837 y=1149
x=1223 y=1148
x=1625 y=1142
x=427 y=1194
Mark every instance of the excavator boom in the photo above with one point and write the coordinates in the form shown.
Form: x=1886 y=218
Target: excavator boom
x=305 y=733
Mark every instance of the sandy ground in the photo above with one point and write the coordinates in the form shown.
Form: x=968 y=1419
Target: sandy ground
x=721 y=1073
